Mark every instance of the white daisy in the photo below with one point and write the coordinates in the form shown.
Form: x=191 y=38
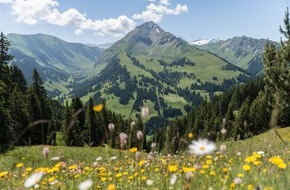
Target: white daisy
x=202 y=147
x=173 y=179
x=149 y=182
x=85 y=184
x=33 y=179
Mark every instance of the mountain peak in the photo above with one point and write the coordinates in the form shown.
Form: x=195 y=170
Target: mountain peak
x=151 y=28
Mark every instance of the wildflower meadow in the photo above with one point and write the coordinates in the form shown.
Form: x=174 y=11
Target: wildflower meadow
x=261 y=162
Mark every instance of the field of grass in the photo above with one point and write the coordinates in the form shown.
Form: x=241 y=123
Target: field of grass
x=260 y=162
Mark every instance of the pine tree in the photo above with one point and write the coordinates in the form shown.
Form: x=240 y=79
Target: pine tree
x=5 y=57
x=18 y=78
x=5 y=132
x=19 y=115
x=90 y=132
x=39 y=109
x=277 y=76
x=79 y=121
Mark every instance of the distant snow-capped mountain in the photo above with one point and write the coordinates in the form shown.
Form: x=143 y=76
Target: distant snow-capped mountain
x=102 y=46
x=204 y=41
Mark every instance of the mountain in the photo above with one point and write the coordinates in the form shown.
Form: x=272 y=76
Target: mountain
x=244 y=52
x=154 y=68
x=59 y=63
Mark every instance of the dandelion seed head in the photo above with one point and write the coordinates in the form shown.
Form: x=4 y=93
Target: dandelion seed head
x=139 y=135
x=111 y=127
x=144 y=112
x=45 y=152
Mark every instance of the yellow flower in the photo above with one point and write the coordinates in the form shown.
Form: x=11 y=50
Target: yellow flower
x=233 y=185
x=190 y=135
x=282 y=165
x=98 y=107
x=3 y=173
x=208 y=161
x=189 y=169
x=250 y=187
x=268 y=188
x=256 y=155
x=77 y=176
x=72 y=167
x=141 y=163
x=19 y=165
x=257 y=163
x=29 y=169
x=130 y=177
x=118 y=175
x=250 y=159
x=51 y=179
x=111 y=187
x=246 y=167
x=240 y=175
x=212 y=173
x=276 y=160
x=172 y=168
x=133 y=149
x=225 y=170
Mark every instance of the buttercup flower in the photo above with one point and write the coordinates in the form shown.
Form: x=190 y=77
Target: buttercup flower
x=98 y=108
x=202 y=147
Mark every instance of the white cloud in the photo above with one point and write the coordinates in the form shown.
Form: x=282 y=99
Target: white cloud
x=165 y=2
x=37 y=11
x=155 y=12
x=6 y=1
x=31 y=11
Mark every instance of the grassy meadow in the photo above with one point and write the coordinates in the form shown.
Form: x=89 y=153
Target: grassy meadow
x=261 y=162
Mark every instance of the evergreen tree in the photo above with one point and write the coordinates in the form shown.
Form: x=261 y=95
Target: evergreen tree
x=90 y=132
x=19 y=115
x=5 y=131
x=260 y=112
x=277 y=76
x=66 y=133
x=39 y=109
x=79 y=121
x=5 y=57
x=18 y=78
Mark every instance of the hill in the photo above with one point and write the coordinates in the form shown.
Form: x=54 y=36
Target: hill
x=244 y=52
x=59 y=63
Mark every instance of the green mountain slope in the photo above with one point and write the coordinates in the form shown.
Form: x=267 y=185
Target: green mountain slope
x=59 y=63
x=244 y=52
x=154 y=68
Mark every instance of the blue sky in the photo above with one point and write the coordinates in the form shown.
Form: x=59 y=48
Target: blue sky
x=103 y=21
